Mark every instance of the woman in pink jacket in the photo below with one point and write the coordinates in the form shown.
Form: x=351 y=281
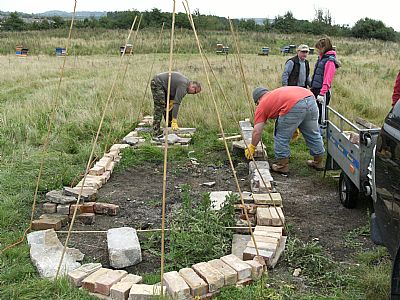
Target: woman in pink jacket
x=324 y=72
x=396 y=90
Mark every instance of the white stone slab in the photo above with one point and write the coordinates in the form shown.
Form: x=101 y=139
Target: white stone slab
x=218 y=198
x=123 y=247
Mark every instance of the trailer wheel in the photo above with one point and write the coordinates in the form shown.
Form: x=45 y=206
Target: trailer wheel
x=348 y=192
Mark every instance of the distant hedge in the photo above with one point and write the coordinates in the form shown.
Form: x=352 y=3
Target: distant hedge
x=322 y=24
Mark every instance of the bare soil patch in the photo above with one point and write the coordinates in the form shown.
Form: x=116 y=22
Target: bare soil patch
x=311 y=207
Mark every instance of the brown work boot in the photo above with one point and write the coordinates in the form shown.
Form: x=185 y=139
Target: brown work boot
x=281 y=165
x=317 y=163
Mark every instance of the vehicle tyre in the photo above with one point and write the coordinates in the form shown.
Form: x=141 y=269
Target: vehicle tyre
x=348 y=192
x=395 y=284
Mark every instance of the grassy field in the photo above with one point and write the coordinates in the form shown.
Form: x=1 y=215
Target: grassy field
x=362 y=87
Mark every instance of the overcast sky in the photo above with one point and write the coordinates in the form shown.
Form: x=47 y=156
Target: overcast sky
x=342 y=11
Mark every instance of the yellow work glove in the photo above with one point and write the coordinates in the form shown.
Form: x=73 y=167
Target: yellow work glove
x=249 y=152
x=296 y=135
x=174 y=124
x=171 y=104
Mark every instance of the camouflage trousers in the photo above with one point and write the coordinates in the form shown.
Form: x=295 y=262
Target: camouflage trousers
x=160 y=104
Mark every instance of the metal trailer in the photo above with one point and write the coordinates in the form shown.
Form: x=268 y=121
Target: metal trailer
x=352 y=157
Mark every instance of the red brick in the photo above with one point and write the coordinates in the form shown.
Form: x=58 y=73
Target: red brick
x=105 y=282
x=106 y=208
x=43 y=224
x=89 y=282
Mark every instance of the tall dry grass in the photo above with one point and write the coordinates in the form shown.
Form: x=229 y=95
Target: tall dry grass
x=361 y=87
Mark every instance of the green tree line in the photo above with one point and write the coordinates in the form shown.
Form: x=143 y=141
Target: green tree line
x=365 y=28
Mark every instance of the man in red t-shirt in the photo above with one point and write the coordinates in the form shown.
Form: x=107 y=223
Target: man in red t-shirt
x=294 y=107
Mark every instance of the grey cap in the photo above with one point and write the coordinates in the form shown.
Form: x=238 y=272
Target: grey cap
x=258 y=92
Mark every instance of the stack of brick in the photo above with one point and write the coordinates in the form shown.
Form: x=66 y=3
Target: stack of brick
x=264 y=206
x=203 y=280
x=270 y=242
x=179 y=137
x=253 y=202
x=246 y=130
x=115 y=283
x=58 y=212
x=61 y=203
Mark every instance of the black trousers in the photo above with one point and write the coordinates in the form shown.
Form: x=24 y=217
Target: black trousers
x=327 y=100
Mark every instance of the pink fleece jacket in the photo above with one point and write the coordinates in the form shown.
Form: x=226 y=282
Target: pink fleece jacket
x=329 y=73
x=396 y=90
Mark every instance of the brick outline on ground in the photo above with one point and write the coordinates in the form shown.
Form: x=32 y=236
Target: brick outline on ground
x=182 y=284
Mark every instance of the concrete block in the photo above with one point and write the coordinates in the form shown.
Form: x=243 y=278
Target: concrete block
x=106 y=175
x=119 y=147
x=257 y=269
x=260 y=176
x=268 y=199
x=63 y=209
x=49 y=208
x=249 y=253
x=266 y=237
x=130 y=140
x=89 y=183
x=95 y=178
x=277 y=217
x=120 y=290
x=62 y=218
x=123 y=247
x=104 y=162
x=97 y=170
x=111 y=167
x=104 y=283
x=263 y=216
x=198 y=287
x=269 y=229
x=243 y=270
x=214 y=278
x=78 y=275
x=278 y=253
x=176 y=286
x=132 y=278
x=145 y=291
x=47 y=237
x=57 y=196
x=230 y=275
x=218 y=199
x=264 y=246
x=239 y=242
x=88 y=194
x=46 y=260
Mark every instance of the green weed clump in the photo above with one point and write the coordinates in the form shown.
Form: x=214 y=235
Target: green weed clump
x=198 y=233
x=317 y=267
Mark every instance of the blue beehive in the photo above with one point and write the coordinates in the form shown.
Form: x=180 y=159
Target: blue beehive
x=61 y=51
x=21 y=52
x=285 y=49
